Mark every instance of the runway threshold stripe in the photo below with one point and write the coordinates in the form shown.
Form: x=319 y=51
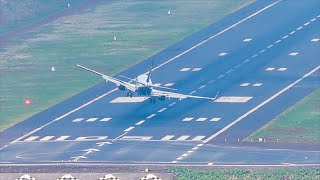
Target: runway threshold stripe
x=260 y=105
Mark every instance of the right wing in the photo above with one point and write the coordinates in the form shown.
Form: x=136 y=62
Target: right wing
x=116 y=81
x=159 y=93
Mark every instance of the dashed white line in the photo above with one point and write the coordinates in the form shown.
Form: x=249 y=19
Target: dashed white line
x=182 y=138
x=91 y=119
x=185 y=69
x=129 y=129
x=253 y=56
x=32 y=138
x=61 y=138
x=278 y=41
x=151 y=116
x=192 y=92
x=292 y=32
x=282 y=69
x=244 y=84
x=313 y=19
x=221 y=76
x=203 y=86
x=78 y=119
x=223 y=54
x=249 y=59
x=270 y=46
x=229 y=71
x=257 y=84
x=187 y=119
x=167 y=137
x=140 y=122
x=197 y=69
x=172 y=104
x=299 y=28
x=285 y=37
x=262 y=51
x=215 y=119
x=105 y=119
x=270 y=69
x=161 y=110
x=306 y=24
x=47 y=138
x=201 y=119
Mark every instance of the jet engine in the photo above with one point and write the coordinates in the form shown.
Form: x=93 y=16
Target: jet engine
x=161 y=98
x=122 y=88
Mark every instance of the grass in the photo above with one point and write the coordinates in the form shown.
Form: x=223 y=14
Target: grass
x=299 y=124
x=143 y=28
x=246 y=174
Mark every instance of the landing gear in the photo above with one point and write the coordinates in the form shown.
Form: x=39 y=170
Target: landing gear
x=129 y=94
x=153 y=100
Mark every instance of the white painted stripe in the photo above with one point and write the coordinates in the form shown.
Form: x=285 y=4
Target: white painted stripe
x=210 y=164
x=129 y=129
x=189 y=152
x=292 y=32
x=215 y=119
x=318 y=16
x=184 y=155
x=182 y=138
x=257 y=84
x=46 y=138
x=201 y=119
x=78 y=119
x=166 y=62
x=105 y=119
x=285 y=37
x=221 y=76
x=91 y=119
x=199 y=145
x=198 y=138
x=187 y=119
x=262 y=51
x=161 y=110
x=282 y=69
x=138 y=99
x=233 y=99
x=172 y=104
x=157 y=84
x=140 y=122
x=192 y=92
x=270 y=69
x=61 y=138
x=136 y=137
x=313 y=19
x=260 y=105
x=185 y=69
x=255 y=55
x=270 y=46
x=151 y=116
x=223 y=54
x=229 y=71
x=90 y=138
x=197 y=69
x=306 y=24
x=247 y=40
x=31 y=138
x=278 y=41
x=167 y=137
x=247 y=60
x=195 y=148
x=245 y=84
x=203 y=86
x=169 y=84
x=315 y=40
x=293 y=54
x=179 y=158
x=174 y=161
x=299 y=28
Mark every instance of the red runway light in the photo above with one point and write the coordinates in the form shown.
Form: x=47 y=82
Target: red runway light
x=27 y=101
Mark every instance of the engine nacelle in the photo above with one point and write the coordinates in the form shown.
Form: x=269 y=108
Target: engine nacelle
x=161 y=98
x=122 y=88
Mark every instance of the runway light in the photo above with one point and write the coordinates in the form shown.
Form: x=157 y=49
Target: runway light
x=27 y=101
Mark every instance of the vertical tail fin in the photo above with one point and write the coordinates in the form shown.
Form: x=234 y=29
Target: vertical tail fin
x=150 y=72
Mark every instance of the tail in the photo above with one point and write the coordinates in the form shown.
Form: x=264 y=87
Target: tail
x=150 y=72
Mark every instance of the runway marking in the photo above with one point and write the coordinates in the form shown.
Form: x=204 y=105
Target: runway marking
x=315 y=40
x=245 y=84
x=270 y=69
x=185 y=69
x=198 y=138
x=172 y=104
x=285 y=37
x=91 y=119
x=161 y=110
x=247 y=40
x=247 y=60
x=313 y=19
x=210 y=164
x=167 y=138
x=199 y=145
x=292 y=32
x=270 y=46
x=32 y=138
x=182 y=138
x=282 y=69
x=86 y=138
x=187 y=119
x=140 y=122
x=105 y=119
x=293 y=54
x=197 y=69
x=151 y=116
x=257 y=84
x=61 y=138
x=136 y=138
x=233 y=99
x=223 y=54
x=221 y=76
x=306 y=24
x=262 y=51
x=278 y=41
x=157 y=84
x=129 y=129
x=299 y=28
x=169 y=84
x=129 y=99
x=46 y=138
x=203 y=86
x=201 y=119
x=170 y=60
x=215 y=119
x=78 y=119
x=184 y=155
x=253 y=56
x=229 y=71
x=193 y=92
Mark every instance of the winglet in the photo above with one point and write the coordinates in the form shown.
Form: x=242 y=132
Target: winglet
x=216 y=95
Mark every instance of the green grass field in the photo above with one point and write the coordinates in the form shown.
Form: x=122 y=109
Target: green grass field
x=247 y=174
x=143 y=28
x=299 y=124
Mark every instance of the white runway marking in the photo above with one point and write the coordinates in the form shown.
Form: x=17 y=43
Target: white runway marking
x=285 y=37
x=270 y=69
x=315 y=40
x=278 y=41
x=299 y=28
x=129 y=99
x=203 y=86
x=247 y=40
x=129 y=129
x=161 y=110
x=257 y=84
x=282 y=69
x=105 y=119
x=306 y=24
x=292 y=32
x=215 y=119
x=253 y=56
x=47 y=138
x=91 y=119
x=167 y=137
x=32 y=138
x=233 y=99
x=192 y=92
x=78 y=119
x=223 y=54
x=169 y=84
x=187 y=119
x=245 y=84
x=197 y=69
x=172 y=104
x=270 y=46
x=90 y=138
x=185 y=69
x=61 y=138
x=136 y=138
x=313 y=19
x=198 y=138
x=140 y=122
x=293 y=54
x=151 y=116
x=182 y=138
x=201 y=119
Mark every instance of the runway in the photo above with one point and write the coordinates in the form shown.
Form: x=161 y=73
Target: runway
x=262 y=59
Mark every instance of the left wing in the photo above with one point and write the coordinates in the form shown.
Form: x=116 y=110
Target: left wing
x=159 y=93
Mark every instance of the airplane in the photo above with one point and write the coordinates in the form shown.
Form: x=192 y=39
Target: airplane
x=143 y=86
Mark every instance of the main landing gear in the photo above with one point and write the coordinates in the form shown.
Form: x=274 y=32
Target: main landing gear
x=152 y=100
x=130 y=94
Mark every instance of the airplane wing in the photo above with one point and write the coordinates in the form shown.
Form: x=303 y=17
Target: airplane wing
x=158 y=93
x=116 y=81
